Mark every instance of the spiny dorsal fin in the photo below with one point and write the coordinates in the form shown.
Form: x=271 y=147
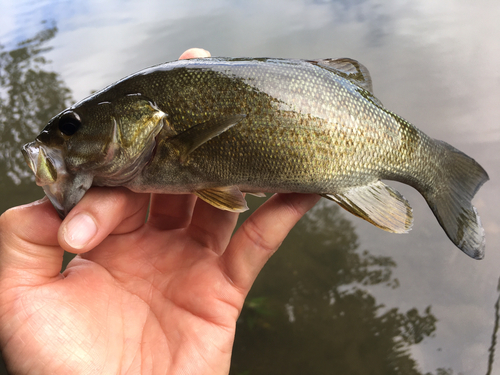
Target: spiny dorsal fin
x=378 y=204
x=228 y=198
x=192 y=138
x=353 y=71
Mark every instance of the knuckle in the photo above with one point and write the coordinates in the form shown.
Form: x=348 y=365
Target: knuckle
x=257 y=236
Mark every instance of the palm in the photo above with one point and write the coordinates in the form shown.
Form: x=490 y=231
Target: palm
x=174 y=300
x=126 y=297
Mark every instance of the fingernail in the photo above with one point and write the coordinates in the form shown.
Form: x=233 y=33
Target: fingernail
x=79 y=231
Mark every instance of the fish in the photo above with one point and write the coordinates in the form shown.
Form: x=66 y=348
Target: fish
x=222 y=127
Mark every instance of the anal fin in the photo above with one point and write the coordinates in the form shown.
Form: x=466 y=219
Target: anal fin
x=228 y=198
x=378 y=204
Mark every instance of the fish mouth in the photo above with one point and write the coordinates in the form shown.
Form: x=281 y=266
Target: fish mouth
x=48 y=165
x=44 y=167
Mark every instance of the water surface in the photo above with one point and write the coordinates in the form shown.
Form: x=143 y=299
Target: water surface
x=340 y=296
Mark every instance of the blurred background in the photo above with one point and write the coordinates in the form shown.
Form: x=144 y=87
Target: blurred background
x=340 y=296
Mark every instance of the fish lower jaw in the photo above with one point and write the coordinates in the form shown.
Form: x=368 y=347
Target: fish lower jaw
x=56 y=200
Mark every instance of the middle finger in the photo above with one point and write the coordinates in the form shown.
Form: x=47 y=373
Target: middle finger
x=171 y=211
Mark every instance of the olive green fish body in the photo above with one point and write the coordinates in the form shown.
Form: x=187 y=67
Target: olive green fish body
x=218 y=127
x=304 y=128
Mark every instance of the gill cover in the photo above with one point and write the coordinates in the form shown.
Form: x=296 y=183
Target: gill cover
x=135 y=123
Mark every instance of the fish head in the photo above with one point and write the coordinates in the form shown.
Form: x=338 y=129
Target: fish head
x=95 y=142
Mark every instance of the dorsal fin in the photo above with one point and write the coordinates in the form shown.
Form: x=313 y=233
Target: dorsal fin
x=351 y=69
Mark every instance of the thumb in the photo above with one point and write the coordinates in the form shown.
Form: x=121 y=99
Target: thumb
x=29 y=250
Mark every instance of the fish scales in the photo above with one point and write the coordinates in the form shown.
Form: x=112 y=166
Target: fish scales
x=218 y=127
x=307 y=121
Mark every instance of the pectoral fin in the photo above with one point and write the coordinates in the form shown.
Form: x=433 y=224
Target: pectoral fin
x=192 y=138
x=378 y=204
x=228 y=198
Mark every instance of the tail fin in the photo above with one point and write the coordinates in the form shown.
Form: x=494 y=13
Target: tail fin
x=461 y=178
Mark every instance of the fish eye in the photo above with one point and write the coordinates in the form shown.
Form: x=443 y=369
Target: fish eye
x=69 y=123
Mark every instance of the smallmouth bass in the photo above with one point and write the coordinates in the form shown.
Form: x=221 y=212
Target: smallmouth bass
x=217 y=127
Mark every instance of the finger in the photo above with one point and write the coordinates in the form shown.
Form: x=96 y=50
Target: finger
x=194 y=53
x=211 y=226
x=171 y=211
x=102 y=211
x=261 y=235
x=31 y=247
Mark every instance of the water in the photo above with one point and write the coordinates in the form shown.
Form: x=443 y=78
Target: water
x=340 y=296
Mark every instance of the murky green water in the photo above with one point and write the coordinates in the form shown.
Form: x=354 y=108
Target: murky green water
x=340 y=296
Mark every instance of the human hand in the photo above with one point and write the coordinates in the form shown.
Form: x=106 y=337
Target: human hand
x=155 y=296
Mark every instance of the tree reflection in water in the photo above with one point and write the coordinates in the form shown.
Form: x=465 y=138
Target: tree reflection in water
x=309 y=311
